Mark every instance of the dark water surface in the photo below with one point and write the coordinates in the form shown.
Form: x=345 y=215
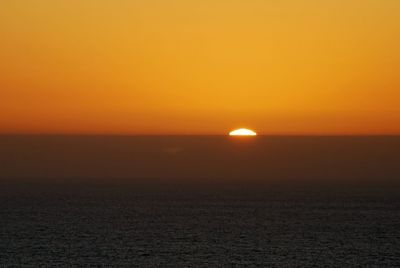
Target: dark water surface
x=128 y=227
x=199 y=201
x=188 y=158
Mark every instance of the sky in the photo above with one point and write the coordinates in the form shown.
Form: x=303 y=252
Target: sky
x=200 y=67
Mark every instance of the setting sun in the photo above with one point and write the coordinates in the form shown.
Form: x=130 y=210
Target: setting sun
x=242 y=132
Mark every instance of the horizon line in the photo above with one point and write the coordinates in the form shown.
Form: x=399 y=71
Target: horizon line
x=205 y=135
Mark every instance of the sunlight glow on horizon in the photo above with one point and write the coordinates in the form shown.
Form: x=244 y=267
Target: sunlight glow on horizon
x=242 y=132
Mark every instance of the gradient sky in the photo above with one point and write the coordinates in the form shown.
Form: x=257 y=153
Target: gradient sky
x=200 y=66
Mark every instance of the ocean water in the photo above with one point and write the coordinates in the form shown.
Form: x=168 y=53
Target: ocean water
x=84 y=226
x=199 y=158
x=96 y=201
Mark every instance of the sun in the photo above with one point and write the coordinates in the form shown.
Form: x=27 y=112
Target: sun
x=242 y=132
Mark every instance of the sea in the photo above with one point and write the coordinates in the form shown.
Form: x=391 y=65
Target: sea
x=188 y=201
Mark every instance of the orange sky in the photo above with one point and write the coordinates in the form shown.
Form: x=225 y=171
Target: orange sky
x=200 y=67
